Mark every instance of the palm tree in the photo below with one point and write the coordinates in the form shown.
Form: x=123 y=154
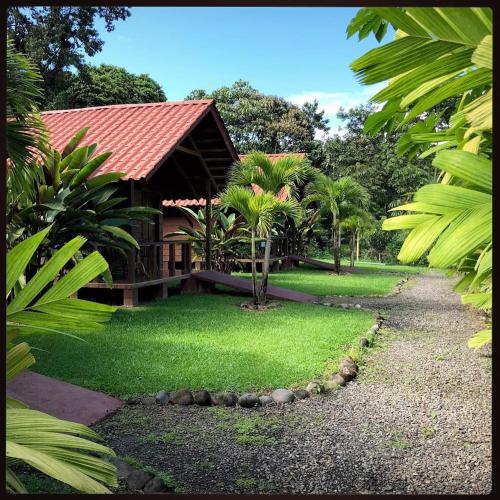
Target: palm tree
x=279 y=178
x=336 y=198
x=26 y=133
x=355 y=224
x=440 y=54
x=260 y=211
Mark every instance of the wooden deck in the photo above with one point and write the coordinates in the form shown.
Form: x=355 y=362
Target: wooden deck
x=122 y=285
x=245 y=285
x=312 y=262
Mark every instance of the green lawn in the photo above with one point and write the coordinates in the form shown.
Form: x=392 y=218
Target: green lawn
x=203 y=341
x=368 y=279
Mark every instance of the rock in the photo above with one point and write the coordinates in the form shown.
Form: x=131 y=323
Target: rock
x=249 y=400
x=162 y=397
x=266 y=400
x=202 y=398
x=138 y=479
x=348 y=369
x=123 y=469
x=331 y=385
x=337 y=379
x=301 y=394
x=372 y=331
x=133 y=401
x=375 y=327
x=225 y=399
x=283 y=396
x=148 y=400
x=344 y=306
x=182 y=397
x=363 y=342
x=156 y=485
x=314 y=387
x=358 y=306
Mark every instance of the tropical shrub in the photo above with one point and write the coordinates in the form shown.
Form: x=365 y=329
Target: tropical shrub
x=56 y=447
x=438 y=54
x=226 y=233
x=260 y=211
x=67 y=197
x=278 y=178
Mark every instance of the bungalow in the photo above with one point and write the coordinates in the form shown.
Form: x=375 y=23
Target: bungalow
x=168 y=151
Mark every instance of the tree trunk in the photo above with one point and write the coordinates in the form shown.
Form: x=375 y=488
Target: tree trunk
x=352 y=246
x=254 y=270
x=265 y=270
x=336 y=247
x=357 y=245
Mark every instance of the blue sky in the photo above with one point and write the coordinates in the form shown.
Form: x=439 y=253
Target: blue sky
x=297 y=53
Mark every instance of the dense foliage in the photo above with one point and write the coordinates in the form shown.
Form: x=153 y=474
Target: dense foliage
x=227 y=233
x=432 y=59
x=106 y=84
x=57 y=38
x=267 y=123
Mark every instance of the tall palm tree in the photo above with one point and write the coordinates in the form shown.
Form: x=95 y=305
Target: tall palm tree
x=336 y=198
x=278 y=178
x=260 y=211
x=26 y=133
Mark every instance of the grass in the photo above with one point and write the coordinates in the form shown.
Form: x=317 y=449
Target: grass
x=203 y=342
x=365 y=281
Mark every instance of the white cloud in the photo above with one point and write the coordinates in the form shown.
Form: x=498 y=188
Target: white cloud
x=331 y=102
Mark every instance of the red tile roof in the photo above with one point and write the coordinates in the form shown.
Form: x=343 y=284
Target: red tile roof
x=139 y=135
x=189 y=203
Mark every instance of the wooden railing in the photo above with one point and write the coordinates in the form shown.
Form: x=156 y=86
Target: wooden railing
x=152 y=261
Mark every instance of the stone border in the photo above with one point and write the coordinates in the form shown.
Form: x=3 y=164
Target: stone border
x=140 y=480
x=348 y=370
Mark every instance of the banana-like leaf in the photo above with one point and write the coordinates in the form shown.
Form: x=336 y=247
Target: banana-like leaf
x=19 y=358
x=121 y=234
x=478 y=300
x=90 y=167
x=480 y=338
x=75 y=140
x=483 y=55
x=39 y=439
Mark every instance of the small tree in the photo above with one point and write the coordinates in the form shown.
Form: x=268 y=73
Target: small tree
x=336 y=198
x=260 y=212
x=277 y=178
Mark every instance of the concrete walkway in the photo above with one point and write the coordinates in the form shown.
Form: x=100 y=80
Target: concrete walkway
x=60 y=399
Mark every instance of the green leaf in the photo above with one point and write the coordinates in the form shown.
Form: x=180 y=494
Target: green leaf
x=19 y=358
x=474 y=169
x=483 y=55
x=86 y=270
x=75 y=140
x=481 y=338
x=451 y=196
x=405 y=221
x=19 y=256
x=45 y=275
x=122 y=234
x=90 y=167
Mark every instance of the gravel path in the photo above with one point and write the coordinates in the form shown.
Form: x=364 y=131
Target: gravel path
x=416 y=420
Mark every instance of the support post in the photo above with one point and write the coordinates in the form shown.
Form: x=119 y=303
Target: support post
x=130 y=297
x=208 y=219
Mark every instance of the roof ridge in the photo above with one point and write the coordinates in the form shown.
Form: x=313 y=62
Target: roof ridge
x=133 y=105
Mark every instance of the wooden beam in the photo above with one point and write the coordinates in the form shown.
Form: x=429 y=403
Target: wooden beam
x=213 y=150
x=208 y=226
x=204 y=164
x=225 y=158
x=189 y=151
x=185 y=177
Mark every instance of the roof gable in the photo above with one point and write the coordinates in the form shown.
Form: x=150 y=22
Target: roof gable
x=140 y=136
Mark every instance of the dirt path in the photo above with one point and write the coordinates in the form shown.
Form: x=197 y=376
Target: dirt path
x=417 y=419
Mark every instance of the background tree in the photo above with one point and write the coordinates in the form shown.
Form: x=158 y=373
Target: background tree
x=337 y=199
x=57 y=38
x=106 y=84
x=267 y=123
